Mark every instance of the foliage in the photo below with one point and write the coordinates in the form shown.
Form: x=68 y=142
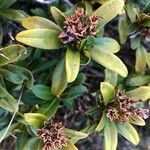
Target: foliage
x=46 y=72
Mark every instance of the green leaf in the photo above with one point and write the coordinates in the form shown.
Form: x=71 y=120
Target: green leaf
x=137 y=80
x=13 y=128
x=141 y=57
x=136 y=120
x=11 y=54
x=22 y=138
x=135 y=42
x=74 y=135
x=132 y=11
x=35 y=119
x=107 y=44
x=49 y=108
x=40 y=38
x=88 y=8
x=33 y=143
x=109 y=60
x=111 y=77
x=108 y=92
x=108 y=11
x=72 y=64
x=14 y=15
x=102 y=123
x=142 y=93
x=7 y=101
x=58 y=16
x=123 y=29
x=59 y=79
x=110 y=135
x=36 y=22
x=148 y=59
x=17 y=75
x=69 y=146
x=6 y=3
x=42 y=91
x=1 y=34
x=128 y=131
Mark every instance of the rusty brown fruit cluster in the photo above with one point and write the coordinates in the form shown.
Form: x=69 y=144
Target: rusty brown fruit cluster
x=52 y=135
x=79 y=26
x=124 y=107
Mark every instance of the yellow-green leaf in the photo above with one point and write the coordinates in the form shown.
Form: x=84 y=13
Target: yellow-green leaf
x=142 y=93
x=108 y=92
x=40 y=38
x=11 y=54
x=59 y=79
x=58 y=16
x=107 y=44
x=110 y=135
x=128 y=131
x=109 y=60
x=141 y=57
x=72 y=64
x=36 y=22
x=108 y=11
x=123 y=29
x=69 y=146
x=102 y=122
x=35 y=119
x=11 y=14
x=7 y=102
x=136 y=120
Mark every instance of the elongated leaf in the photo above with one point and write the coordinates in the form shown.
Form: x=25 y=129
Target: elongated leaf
x=110 y=135
x=107 y=44
x=13 y=128
x=7 y=101
x=33 y=144
x=137 y=120
x=142 y=92
x=40 y=38
x=102 y=123
x=6 y=3
x=140 y=59
x=123 y=29
x=108 y=11
x=148 y=59
x=128 y=131
x=72 y=64
x=108 y=92
x=74 y=135
x=58 y=16
x=11 y=54
x=49 y=108
x=1 y=34
x=132 y=11
x=42 y=91
x=17 y=75
x=69 y=146
x=36 y=22
x=59 y=79
x=109 y=60
x=111 y=77
x=35 y=119
x=88 y=8
x=138 y=80
x=11 y=14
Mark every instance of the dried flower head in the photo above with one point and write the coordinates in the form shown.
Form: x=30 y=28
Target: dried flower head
x=78 y=27
x=52 y=135
x=124 y=107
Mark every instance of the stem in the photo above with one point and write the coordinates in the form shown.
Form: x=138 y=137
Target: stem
x=16 y=110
